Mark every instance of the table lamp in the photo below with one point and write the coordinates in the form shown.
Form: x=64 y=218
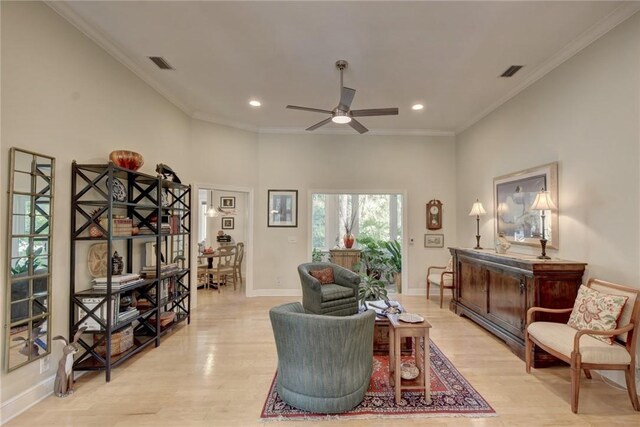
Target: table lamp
x=543 y=203
x=477 y=210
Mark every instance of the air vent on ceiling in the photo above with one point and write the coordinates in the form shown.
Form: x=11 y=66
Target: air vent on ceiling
x=161 y=62
x=511 y=70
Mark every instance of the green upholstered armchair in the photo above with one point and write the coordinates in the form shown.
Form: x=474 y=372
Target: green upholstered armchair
x=324 y=362
x=336 y=299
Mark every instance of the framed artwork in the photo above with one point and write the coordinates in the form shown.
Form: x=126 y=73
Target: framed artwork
x=513 y=196
x=228 y=223
x=282 y=209
x=228 y=202
x=434 y=240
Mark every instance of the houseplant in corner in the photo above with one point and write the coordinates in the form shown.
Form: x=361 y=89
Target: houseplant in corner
x=395 y=259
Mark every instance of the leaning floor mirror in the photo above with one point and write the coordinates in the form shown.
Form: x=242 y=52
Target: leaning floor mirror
x=29 y=239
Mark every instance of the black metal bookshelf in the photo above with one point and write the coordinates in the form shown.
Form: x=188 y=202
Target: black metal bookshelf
x=149 y=199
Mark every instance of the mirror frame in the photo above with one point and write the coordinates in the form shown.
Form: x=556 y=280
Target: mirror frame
x=45 y=316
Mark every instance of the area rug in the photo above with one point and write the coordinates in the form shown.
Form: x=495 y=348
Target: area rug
x=451 y=395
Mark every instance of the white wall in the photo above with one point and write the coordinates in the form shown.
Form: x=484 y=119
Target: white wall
x=64 y=96
x=585 y=115
x=421 y=166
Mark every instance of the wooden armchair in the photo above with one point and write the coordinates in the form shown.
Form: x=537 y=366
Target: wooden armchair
x=444 y=280
x=584 y=352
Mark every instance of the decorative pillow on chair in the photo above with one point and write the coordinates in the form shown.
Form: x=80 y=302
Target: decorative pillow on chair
x=325 y=276
x=596 y=310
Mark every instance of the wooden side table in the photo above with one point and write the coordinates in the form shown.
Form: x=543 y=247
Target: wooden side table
x=419 y=331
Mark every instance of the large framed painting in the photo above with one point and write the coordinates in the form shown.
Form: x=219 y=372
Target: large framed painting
x=283 y=208
x=513 y=196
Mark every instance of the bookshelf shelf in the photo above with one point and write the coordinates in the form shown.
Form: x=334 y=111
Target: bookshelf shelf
x=111 y=306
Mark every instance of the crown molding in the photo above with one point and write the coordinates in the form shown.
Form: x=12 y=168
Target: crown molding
x=102 y=40
x=199 y=115
x=606 y=24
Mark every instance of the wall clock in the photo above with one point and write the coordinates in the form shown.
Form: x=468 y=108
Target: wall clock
x=434 y=215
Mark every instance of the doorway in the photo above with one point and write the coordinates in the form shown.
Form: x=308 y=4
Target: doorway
x=224 y=216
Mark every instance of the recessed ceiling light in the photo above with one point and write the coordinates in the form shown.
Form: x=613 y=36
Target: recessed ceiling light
x=417 y=107
x=255 y=103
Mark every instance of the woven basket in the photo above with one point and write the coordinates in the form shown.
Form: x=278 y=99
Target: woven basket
x=120 y=342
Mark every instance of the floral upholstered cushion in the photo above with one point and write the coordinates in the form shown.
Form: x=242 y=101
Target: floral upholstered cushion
x=596 y=310
x=325 y=276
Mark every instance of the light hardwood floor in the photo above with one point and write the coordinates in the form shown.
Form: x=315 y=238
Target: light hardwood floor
x=217 y=371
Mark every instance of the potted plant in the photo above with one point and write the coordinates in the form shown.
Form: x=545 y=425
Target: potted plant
x=395 y=260
x=371 y=289
x=374 y=259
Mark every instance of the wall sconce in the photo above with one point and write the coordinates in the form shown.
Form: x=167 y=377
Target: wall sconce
x=477 y=210
x=543 y=203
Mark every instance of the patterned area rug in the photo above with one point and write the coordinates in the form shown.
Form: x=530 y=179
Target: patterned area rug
x=451 y=395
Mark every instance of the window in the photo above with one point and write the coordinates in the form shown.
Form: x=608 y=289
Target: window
x=378 y=216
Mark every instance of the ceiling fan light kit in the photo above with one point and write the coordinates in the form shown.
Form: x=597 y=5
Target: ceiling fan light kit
x=343 y=114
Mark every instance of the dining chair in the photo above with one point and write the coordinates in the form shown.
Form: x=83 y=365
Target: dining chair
x=239 y=258
x=223 y=269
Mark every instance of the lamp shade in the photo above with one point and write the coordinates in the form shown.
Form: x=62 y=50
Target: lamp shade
x=543 y=202
x=477 y=209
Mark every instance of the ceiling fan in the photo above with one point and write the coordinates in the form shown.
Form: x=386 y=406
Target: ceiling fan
x=343 y=113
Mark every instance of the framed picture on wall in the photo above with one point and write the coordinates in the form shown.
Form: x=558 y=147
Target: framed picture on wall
x=228 y=202
x=282 y=208
x=228 y=223
x=434 y=240
x=513 y=195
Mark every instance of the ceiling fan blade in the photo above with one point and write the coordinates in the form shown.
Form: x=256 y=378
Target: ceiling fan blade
x=358 y=126
x=314 y=110
x=375 y=112
x=346 y=98
x=317 y=125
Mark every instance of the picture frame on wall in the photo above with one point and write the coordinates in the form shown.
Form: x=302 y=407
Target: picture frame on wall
x=228 y=202
x=434 y=240
x=228 y=223
x=513 y=195
x=282 y=208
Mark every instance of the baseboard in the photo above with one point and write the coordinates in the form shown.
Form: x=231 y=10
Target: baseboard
x=25 y=400
x=274 y=293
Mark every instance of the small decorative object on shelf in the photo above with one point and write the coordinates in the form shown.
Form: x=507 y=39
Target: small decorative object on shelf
x=127 y=159
x=502 y=244
x=167 y=173
x=116 y=264
x=118 y=190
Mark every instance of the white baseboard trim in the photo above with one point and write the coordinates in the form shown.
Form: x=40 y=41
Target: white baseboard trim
x=25 y=400
x=274 y=293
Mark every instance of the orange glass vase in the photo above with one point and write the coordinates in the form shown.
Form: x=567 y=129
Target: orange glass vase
x=349 y=240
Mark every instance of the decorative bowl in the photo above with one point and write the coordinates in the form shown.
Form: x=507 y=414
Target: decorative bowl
x=127 y=159
x=409 y=371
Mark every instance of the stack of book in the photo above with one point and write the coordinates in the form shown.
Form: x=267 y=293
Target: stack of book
x=149 y=271
x=118 y=283
x=128 y=314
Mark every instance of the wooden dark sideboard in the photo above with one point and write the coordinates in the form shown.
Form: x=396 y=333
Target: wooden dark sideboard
x=496 y=291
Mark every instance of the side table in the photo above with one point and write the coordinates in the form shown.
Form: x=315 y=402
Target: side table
x=419 y=331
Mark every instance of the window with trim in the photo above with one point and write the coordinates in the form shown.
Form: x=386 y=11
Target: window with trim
x=378 y=216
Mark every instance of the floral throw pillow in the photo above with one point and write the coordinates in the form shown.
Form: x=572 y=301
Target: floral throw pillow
x=325 y=276
x=596 y=310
